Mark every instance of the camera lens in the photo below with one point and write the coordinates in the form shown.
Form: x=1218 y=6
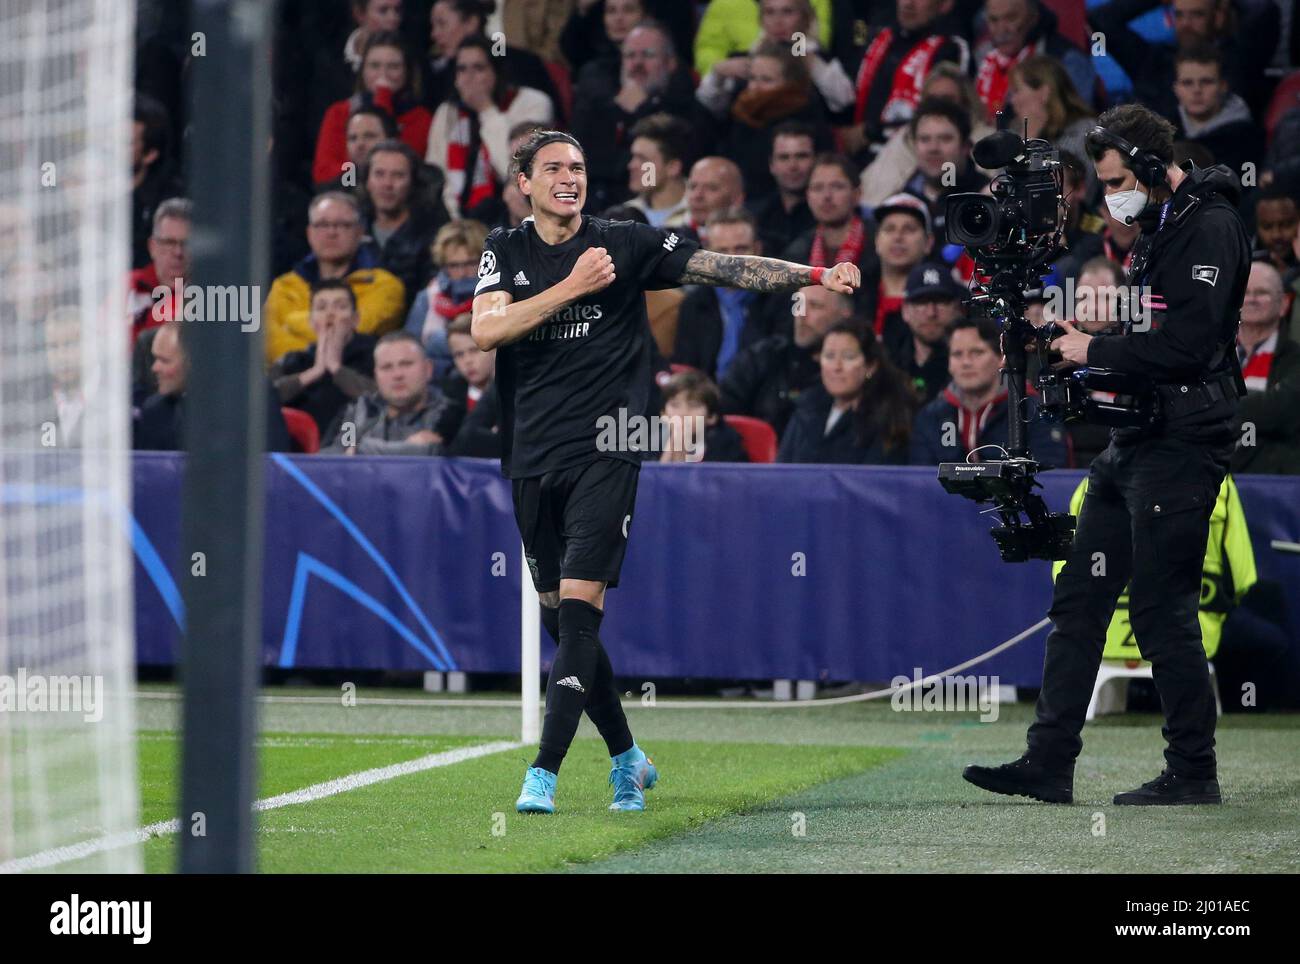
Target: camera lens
x=975 y=219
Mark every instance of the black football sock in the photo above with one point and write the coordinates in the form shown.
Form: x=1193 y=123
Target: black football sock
x=551 y=620
x=605 y=709
x=572 y=674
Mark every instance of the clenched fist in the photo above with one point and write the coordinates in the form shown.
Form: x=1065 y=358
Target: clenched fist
x=845 y=278
x=593 y=272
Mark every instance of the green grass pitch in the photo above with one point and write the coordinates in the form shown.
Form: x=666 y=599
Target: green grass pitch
x=852 y=788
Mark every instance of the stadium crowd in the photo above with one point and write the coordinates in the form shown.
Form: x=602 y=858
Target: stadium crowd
x=817 y=131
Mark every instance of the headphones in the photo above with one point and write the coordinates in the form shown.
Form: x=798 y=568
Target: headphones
x=1150 y=170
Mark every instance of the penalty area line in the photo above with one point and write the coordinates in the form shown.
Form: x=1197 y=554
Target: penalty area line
x=317 y=791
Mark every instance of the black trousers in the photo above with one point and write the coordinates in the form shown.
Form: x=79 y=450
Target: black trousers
x=1144 y=522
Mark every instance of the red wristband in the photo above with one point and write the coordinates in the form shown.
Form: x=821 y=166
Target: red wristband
x=817 y=275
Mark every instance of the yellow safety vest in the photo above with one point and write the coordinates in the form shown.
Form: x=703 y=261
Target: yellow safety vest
x=1229 y=572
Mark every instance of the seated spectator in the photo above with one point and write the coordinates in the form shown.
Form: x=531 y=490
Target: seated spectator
x=456 y=251
x=779 y=88
x=839 y=233
x=451 y=22
x=470 y=138
x=399 y=415
x=941 y=134
x=153 y=172
x=1020 y=29
x=1211 y=115
x=1269 y=440
x=1247 y=47
x=893 y=71
x=784 y=24
x=159 y=425
x=64 y=409
x=860 y=414
x=1083 y=225
x=535 y=25
x=715 y=323
x=337 y=368
x=466 y=384
x=169 y=266
x=400 y=226
x=896 y=161
x=1116 y=241
x=766 y=379
x=656 y=171
x=697 y=431
x=968 y=420
x=730 y=27
x=715 y=184
x=367 y=127
x=593 y=35
x=1098 y=294
x=903 y=238
x=783 y=214
x=388 y=80
x=334 y=234
x=1277 y=218
x=371 y=17
x=1043 y=94
x=651 y=81
x=932 y=302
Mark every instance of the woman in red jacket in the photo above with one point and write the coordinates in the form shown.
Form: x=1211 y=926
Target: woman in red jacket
x=389 y=80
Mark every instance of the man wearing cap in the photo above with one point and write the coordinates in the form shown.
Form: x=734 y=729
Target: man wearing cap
x=931 y=303
x=903 y=239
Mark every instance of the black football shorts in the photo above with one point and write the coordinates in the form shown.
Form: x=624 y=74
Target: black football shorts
x=574 y=522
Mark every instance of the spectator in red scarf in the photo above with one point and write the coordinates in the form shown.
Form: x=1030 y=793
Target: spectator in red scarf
x=389 y=80
x=456 y=250
x=894 y=68
x=1271 y=363
x=839 y=234
x=1019 y=29
x=169 y=266
x=471 y=132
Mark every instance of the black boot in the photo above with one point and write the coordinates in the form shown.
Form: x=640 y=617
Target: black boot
x=1025 y=778
x=1169 y=789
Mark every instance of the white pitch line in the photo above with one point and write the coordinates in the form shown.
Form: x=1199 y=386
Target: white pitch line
x=318 y=791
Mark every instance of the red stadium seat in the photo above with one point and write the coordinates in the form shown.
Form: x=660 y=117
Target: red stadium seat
x=759 y=437
x=302 y=430
x=1071 y=21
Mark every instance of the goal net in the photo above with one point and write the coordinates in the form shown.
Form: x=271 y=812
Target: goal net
x=67 y=762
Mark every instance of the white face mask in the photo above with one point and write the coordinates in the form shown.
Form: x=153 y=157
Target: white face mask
x=1125 y=206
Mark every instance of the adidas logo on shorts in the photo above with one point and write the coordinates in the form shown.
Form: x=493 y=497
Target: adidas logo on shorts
x=572 y=683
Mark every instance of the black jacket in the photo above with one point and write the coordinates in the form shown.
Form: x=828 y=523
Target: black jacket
x=777 y=227
x=406 y=252
x=766 y=379
x=1275 y=415
x=806 y=438
x=479 y=434
x=1196 y=267
x=160 y=424
x=322 y=399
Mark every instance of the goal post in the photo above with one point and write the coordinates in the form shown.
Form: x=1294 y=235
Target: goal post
x=67 y=757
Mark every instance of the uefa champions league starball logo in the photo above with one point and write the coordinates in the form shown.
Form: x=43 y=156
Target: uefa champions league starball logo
x=487 y=264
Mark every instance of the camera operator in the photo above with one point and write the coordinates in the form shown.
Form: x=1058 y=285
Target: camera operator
x=1145 y=519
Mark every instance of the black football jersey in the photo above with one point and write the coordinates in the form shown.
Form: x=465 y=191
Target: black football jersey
x=589 y=360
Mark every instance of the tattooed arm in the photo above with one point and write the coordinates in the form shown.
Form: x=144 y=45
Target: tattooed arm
x=764 y=274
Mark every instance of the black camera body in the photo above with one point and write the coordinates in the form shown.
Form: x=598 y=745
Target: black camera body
x=1013 y=236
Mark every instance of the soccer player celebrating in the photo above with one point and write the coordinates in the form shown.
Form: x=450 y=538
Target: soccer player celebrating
x=561 y=299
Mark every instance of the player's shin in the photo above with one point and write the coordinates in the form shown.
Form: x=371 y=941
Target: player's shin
x=572 y=676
